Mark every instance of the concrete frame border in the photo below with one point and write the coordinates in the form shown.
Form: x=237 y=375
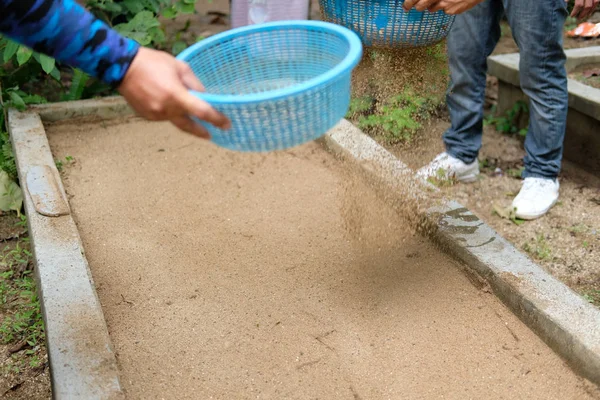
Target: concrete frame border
x=82 y=361
x=83 y=364
x=582 y=98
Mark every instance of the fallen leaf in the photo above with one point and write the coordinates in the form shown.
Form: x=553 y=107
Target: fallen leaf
x=508 y=213
x=503 y=212
x=18 y=347
x=11 y=196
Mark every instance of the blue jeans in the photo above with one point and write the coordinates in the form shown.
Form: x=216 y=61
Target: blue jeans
x=537 y=26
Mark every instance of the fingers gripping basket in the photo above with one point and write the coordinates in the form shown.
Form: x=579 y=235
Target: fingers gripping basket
x=384 y=23
x=280 y=83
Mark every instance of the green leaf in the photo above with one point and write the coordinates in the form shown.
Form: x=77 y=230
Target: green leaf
x=80 y=78
x=10 y=50
x=23 y=55
x=111 y=7
x=169 y=12
x=138 y=28
x=153 y=5
x=186 y=8
x=178 y=47
x=55 y=74
x=47 y=63
x=157 y=35
x=33 y=99
x=133 y=6
x=17 y=100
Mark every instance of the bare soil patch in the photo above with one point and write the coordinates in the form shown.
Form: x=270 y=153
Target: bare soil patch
x=281 y=276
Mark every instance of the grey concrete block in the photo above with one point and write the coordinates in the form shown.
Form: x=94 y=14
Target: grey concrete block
x=82 y=362
x=582 y=98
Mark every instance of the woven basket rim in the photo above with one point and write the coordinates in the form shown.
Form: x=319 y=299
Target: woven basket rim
x=345 y=66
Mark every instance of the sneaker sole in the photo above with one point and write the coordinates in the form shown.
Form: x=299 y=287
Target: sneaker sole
x=468 y=178
x=530 y=217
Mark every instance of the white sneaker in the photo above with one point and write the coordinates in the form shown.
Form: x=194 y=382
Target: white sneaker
x=444 y=166
x=536 y=197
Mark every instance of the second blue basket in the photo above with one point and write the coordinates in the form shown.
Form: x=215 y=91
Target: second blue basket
x=384 y=23
x=281 y=83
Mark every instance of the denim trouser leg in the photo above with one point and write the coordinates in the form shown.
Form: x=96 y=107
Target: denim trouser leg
x=537 y=29
x=471 y=40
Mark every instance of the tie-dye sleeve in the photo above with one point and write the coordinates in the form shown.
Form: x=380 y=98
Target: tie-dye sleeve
x=66 y=31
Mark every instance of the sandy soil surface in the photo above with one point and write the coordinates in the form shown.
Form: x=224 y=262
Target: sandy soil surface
x=228 y=275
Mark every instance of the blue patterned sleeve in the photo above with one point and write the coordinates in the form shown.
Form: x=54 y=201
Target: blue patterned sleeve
x=66 y=31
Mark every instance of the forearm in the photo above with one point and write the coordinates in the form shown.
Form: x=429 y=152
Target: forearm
x=66 y=31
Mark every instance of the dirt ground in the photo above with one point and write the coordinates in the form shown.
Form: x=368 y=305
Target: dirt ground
x=24 y=372
x=567 y=241
x=230 y=275
x=588 y=74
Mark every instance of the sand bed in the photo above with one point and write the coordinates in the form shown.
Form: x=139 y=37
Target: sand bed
x=280 y=276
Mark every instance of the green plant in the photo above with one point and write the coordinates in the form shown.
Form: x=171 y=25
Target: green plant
x=360 y=105
x=60 y=164
x=579 y=228
x=508 y=123
x=438 y=52
x=400 y=116
x=18 y=298
x=139 y=20
x=570 y=23
x=539 y=248
x=22 y=222
x=592 y=296
x=441 y=179
x=484 y=164
x=515 y=172
x=22 y=67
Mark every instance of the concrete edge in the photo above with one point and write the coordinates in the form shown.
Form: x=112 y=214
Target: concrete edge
x=105 y=108
x=562 y=318
x=584 y=55
x=82 y=362
x=583 y=98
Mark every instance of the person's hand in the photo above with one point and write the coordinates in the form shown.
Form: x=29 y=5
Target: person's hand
x=584 y=8
x=156 y=86
x=450 y=7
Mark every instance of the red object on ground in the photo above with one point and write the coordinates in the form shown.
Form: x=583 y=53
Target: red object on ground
x=585 y=30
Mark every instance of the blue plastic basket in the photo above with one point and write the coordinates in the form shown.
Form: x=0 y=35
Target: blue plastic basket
x=281 y=83
x=384 y=23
